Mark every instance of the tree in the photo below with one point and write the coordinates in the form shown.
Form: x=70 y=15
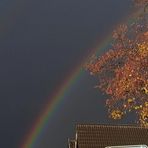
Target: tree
x=122 y=71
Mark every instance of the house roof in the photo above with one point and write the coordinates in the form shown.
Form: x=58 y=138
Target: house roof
x=100 y=136
x=71 y=143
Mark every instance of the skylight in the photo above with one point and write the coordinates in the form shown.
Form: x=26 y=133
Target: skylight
x=128 y=146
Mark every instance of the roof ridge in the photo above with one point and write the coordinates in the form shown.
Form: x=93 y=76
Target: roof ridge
x=111 y=125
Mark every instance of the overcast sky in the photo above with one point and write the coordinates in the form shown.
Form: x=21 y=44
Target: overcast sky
x=41 y=41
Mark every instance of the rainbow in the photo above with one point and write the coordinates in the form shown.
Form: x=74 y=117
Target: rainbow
x=55 y=100
x=59 y=95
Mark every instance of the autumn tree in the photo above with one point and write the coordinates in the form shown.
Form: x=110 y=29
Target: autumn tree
x=122 y=71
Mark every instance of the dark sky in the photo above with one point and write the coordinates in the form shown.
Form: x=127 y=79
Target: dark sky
x=41 y=41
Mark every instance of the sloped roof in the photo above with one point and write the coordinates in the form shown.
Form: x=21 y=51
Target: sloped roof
x=71 y=143
x=100 y=136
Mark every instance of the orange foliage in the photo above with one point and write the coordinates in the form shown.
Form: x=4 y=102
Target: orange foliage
x=122 y=72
